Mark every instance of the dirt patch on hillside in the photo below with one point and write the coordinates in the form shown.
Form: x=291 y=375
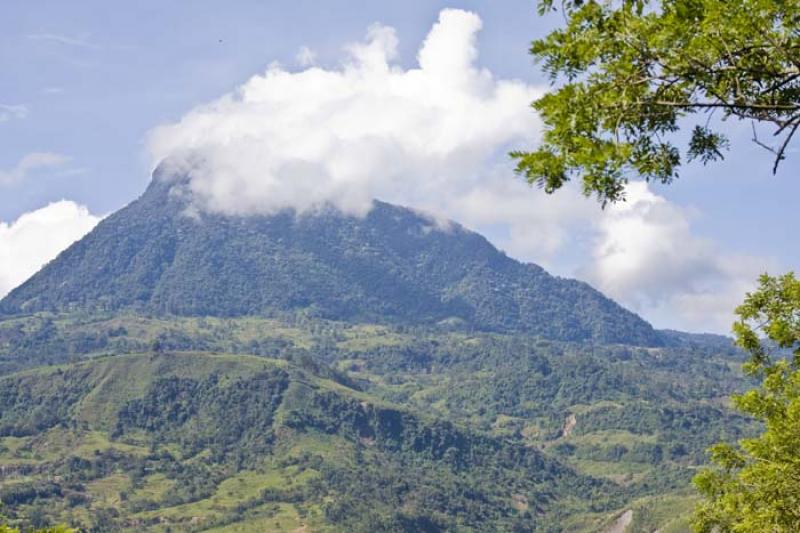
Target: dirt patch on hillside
x=621 y=523
x=569 y=425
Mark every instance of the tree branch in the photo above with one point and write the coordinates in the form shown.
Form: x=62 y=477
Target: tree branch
x=757 y=107
x=781 y=152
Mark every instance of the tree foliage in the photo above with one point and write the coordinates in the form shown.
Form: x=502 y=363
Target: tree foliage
x=756 y=485
x=632 y=73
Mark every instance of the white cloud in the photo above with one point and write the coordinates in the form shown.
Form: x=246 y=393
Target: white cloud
x=77 y=41
x=306 y=57
x=369 y=129
x=37 y=237
x=31 y=163
x=11 y=112
x=647 y=256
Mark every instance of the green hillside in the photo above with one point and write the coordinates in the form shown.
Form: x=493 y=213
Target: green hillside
x=636 y=419
x=207 y=442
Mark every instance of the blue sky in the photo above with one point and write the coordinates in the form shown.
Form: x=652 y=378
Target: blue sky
x=85 y=82
x=120 y=71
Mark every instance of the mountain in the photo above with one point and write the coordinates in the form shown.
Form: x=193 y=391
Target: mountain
x=394 y=265
x=177 y=370
x=196 y=442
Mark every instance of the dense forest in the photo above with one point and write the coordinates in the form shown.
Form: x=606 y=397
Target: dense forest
x=325 y=417
x=199 y=440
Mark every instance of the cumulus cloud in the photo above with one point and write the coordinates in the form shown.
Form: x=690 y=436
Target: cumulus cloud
x=11 y=112
x=647 y=256
x=368 y=129
x=37 y=237
x=30 y=163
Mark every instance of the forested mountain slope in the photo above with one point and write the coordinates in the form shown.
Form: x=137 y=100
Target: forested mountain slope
x=197 y=441
x=640 y=418
x=393 y=266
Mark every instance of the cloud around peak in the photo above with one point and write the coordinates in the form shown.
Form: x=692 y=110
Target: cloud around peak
x=344 y=136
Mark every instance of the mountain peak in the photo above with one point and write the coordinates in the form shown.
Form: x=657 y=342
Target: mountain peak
x=392 y=265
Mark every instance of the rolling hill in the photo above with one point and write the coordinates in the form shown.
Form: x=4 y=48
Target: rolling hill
x=637 y=420
x=196 y=441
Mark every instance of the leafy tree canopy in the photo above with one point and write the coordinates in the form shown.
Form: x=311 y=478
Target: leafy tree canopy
x=632 y=73
x=756 y=485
